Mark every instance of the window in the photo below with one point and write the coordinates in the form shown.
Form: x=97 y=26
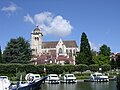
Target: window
x=60 y=50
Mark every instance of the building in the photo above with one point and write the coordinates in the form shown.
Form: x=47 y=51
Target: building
x=52 y=52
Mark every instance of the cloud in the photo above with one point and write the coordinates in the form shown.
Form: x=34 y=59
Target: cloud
x=94 y=46
x=11 y=8
x=51 y=24
x=28 y=18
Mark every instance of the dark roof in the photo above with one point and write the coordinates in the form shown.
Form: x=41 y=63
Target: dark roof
x=53 y=44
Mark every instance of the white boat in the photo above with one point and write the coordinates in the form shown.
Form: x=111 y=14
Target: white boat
x=69 y=78
x=53 y=79
x=99 y=77
x=33 y=82
x=32 y=77
x=4 y=83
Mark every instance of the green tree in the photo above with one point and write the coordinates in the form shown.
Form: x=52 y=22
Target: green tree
x=101 y=59
x=85 y=55
x=0 y=55
x=113 y=64
x=17 y=51
x=104 y=55
x=105 y=50
x=118 y=60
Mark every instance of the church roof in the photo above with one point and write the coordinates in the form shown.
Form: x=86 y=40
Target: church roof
x=53 y=44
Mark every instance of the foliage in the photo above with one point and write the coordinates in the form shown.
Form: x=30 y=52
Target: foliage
x=29 y=68
x=105 y=67
x=17 y=51
x=19 y=74
x=105 y=50
x=82 y=67
x=113 y=64
x=51 y=69
x=101 y=59
x=69 y=68
x=118 y=61
x=85 y=55
x=94 y=67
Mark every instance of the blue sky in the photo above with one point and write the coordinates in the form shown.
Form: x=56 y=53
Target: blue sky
x=66 y=19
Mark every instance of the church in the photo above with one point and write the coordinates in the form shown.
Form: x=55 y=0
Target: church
x=52 y=52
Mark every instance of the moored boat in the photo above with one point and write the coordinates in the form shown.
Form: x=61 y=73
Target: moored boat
x=34 y=85
x=4 y=83
x=53 y=79
x=69 y=78
x=99 y=77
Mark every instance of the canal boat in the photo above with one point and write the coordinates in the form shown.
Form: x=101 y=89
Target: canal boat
x=4 y=83
x=69 y=78
x=32 y=77
x=53 y=79
x=99 y=77
x=34 y=85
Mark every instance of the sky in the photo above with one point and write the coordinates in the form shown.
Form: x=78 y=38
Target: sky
x=65 y=19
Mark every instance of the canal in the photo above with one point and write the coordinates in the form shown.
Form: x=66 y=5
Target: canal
x=81 y=86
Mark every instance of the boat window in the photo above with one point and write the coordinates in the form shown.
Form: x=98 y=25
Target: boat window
x=53 y=76
x=37 y=76
x=70 y=75
x=99 y=75
x=94 y=75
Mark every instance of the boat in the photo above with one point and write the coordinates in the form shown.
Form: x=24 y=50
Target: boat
x=99 y=77
x=53 y=79
x=32 y=77
x=4 y=83
x=35 y=85
x=69 y=78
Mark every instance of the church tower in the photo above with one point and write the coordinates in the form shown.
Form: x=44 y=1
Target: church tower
x=36 y=41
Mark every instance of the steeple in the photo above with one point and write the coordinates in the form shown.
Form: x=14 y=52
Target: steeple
x=36 y=41
x=37 y=31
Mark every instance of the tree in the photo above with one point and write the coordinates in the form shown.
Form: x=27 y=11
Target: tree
x=85 y=55
x=101 y=59
x=113 y=64
x=118 y=60
x=104 y=55
x=0 y=55
x=17 y=51
x=105 y=50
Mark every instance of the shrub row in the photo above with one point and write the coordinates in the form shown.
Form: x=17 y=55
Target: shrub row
x=12 y=69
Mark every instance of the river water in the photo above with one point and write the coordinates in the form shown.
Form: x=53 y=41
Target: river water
x=81 y=86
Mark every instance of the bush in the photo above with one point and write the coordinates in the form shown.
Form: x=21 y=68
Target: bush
x=105 y=67
x=81 y=67
x=69 y=68
x=94 y=67
x=53 y=69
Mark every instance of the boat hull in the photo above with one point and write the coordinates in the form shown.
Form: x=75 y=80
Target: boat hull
x=31 y=86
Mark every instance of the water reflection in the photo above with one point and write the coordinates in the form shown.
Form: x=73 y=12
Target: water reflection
x=81 y=86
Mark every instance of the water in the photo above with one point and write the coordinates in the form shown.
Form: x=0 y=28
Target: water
x=82 y=86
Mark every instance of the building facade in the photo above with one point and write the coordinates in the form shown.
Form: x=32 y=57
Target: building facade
x=52 y=52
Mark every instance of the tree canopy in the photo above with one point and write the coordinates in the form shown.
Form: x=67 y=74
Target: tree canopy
x=17 y=51
x=85 y=55
x=103 y=56
x=105 y=50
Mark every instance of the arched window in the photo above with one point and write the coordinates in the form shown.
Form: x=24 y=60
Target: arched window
x=60 y=50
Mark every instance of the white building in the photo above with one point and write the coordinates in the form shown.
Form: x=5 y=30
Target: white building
x=54 y=52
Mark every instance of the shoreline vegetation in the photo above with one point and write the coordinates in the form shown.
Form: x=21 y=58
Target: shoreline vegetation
x=14 y=71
